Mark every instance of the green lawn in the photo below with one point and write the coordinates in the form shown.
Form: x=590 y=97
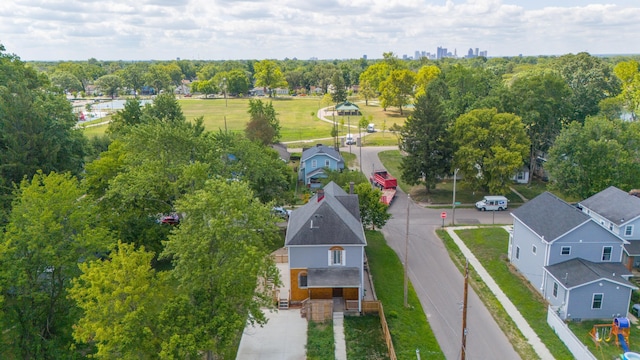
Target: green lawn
x=364 y=338
x=489 y=245
x=408 y=326
x=607 y=350
x=297 y=117
x=320 y=341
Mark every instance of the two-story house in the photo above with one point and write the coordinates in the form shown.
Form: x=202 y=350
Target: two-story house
x=313 y=162
x=571 y=259
x=619 y=212
x=325 y=242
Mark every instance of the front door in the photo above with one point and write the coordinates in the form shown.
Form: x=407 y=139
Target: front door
x=337 y=292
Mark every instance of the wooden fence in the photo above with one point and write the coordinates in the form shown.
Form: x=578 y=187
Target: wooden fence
x=376 y=307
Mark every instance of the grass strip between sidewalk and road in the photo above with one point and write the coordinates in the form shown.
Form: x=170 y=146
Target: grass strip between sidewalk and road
x=408 y=325
x=320 y=341
x=489 y=245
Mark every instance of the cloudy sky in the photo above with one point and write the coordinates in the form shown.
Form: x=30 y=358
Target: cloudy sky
x=325 y=29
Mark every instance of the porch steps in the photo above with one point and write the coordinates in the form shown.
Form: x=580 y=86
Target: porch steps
x=283 y=304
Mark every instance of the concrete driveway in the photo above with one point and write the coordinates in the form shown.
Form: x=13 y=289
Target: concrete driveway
x=284 y=337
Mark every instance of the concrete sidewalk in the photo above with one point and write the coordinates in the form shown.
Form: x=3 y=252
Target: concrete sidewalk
x=518 y=319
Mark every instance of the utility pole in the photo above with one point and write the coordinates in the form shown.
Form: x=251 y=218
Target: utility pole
x=464 y=311
x=453 y=205
x=406 y=257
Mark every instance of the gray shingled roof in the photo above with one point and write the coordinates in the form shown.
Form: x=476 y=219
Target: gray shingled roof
x=578 y=272
x=333 y=220
x=337 y=276
x=320 y=149
x=549 y=217
x=614 y=205
x=633 y=248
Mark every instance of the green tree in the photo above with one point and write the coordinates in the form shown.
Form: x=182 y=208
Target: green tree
x=469 y=88
x=124 y=119
x=121 y=298
x=587 y=158
x=109 y=84
x=52 y=228
x=133 y=77
x=373 y=212
x=425 y=75
x=397 y=89
x=374 y=75
x=263 y=125
x=425 y=140
x=206 y=87
x=268 y=75
x=490 y=148
x=629 y=74
x=37 y=128
x=66 y=81
x=220 y=258
x=366 y=91
x=237 y=81
x=543 y=101
x=158 y=78
x=590 y=80
x=339 y=94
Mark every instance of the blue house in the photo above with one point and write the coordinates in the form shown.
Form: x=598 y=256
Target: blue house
x=314 y=161
x=325 y=242
x=569 y=257
x=619 y=212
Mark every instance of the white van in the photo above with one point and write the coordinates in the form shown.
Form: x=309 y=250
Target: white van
x=349 y=140
x=371 y=128
x=492 y=203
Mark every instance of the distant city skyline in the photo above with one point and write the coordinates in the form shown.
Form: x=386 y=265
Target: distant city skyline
x=339 y=29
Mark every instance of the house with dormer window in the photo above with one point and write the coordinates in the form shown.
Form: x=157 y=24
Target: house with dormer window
x=313 y=163
x=325 y=242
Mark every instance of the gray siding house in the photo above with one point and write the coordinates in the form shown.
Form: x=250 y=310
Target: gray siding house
x=325 y=242
x=314 y=161
x=551 y=238
x=619 y=212
x=579 y=289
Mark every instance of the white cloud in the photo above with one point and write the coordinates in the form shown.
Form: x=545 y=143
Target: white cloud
x=205 y=29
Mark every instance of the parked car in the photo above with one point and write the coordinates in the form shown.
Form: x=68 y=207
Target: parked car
x=281 y=212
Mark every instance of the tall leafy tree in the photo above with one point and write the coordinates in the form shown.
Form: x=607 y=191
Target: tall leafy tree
x=373 y=212
x=133 y=77
x=339 y=94
x=629 y=74
x=66 y=81
x=52 y=228
x=122 y=298
x=425 y=75
x=397 y=89
x=543 y=101
x=268 y=75
x=37 y=128
x=110 y=84
x=590 y=80
x=220 y=258
x=489 y=148
x=587 y=158
x=425 y=140
x=470 y=88
x=263 y=125
x=158 y=77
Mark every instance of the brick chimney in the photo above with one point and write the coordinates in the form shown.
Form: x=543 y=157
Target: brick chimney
x=320 y=194
x=351 y=185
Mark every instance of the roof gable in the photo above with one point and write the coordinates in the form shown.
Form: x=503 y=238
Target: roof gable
x=321 y=150
x=614 y=205
x=549 y=216
x=332 y=220
x=579 y=272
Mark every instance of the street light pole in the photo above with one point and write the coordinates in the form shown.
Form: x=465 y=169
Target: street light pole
x=453 y=205
x=224 y=80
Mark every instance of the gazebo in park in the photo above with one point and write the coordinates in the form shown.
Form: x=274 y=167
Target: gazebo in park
x=347 y=108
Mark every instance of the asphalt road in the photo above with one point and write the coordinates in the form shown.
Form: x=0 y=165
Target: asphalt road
x=437 y=281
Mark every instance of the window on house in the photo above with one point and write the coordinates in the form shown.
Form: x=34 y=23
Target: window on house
x=517 y=252
x=336 y=256
x=326 y=163
x=555 y=289
x=628 y=230
x=314 y=164
x=565 y=250
x=534 y=249
x=596 y=302
x=302 y=280
x=606 y=253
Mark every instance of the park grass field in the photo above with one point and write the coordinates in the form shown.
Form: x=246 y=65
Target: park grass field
x=298 y=117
